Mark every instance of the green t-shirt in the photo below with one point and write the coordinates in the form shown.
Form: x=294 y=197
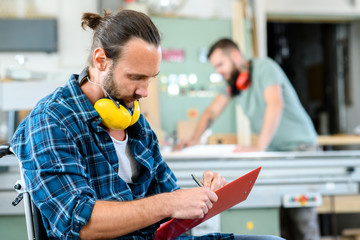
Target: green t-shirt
x=295 y=127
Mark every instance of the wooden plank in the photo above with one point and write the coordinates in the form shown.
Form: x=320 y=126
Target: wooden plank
x=242 y=127
x=347 y=204
x=339 y=139
x=323 y=140
x=237 y=18
x=326 y=207
x=228 y=138
x=222 y=139
x=351 y=232
x=340 y=204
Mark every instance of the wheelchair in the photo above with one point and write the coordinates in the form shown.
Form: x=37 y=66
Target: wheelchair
x=34 y=225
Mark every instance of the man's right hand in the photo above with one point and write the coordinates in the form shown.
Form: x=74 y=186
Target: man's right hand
x=110 y=219
x=184 y=144
x=191 y=203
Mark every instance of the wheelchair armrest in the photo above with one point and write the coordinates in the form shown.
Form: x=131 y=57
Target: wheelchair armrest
x=5 y=150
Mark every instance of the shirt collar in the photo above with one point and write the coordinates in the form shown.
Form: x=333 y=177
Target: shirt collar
x=81 y=103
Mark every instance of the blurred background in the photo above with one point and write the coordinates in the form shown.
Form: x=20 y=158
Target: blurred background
x=316 y=42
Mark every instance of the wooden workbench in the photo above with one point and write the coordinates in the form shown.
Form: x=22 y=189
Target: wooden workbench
x=338 y=140
x=323 y=140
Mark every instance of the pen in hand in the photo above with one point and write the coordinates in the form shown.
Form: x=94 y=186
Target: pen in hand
x=199 y=183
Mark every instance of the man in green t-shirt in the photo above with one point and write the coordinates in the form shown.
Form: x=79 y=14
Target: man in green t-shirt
x=267 y=98
x=275 y=113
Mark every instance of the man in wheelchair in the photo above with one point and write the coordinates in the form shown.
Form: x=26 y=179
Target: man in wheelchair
x=90 y=160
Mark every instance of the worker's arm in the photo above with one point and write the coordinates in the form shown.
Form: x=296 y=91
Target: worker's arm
x=110 y=219
x=273 y=112
x=211 y=113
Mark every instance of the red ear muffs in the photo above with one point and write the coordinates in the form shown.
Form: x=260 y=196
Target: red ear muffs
x=242 y=82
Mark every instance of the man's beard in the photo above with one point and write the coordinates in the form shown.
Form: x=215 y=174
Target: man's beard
x=113 y=90
x=234 y=91
x=109 y=85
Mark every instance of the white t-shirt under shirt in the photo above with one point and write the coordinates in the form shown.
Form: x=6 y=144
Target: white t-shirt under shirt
x=127 y=163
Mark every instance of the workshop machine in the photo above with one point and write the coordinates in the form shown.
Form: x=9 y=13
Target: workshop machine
x=287 y=179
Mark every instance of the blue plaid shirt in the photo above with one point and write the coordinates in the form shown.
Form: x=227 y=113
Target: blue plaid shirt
x=69 y=162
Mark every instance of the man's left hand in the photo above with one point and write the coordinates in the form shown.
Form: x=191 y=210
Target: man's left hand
x=213 y=180
x=246 y=149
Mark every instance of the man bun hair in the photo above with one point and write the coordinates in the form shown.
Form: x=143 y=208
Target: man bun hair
x=114 y=30
x=92 y=20
x=224 y=44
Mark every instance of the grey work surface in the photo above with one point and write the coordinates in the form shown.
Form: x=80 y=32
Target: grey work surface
x=323 y=172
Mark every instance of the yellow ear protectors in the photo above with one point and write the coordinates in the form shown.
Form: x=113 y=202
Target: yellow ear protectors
x=114 y=115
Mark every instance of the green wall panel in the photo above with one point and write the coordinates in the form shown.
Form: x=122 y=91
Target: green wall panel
x=13 y=227
x=191 y=36
x=251 y=221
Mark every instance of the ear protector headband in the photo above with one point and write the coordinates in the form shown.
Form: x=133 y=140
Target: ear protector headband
x=113 y=114
x=242 y=82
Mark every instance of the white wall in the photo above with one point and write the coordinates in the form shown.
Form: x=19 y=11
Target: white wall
x=222 y=8
x=73 y=42
x=312 y=7
x=206 y=8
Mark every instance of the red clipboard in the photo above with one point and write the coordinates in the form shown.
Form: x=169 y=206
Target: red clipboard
x=228 y=196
